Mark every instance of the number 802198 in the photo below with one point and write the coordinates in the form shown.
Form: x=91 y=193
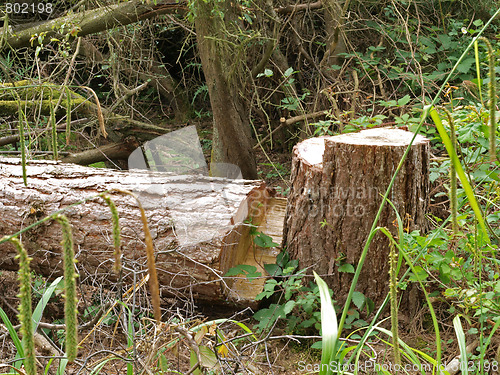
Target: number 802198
x=28 y=8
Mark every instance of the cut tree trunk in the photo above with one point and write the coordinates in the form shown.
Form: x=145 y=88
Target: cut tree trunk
x=188 y=217
x=337 y=187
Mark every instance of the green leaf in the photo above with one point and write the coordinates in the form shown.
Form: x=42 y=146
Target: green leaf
x=242 y=269
x=317 y=345
x=404 y=100
x=263 y=240
x=282 y=259
x=289 y=307
x=207 y=357
x=466 y=65
x=370 y=305
x=288 y=72
x=459 y=331
x=329 y=327
x=272 y=269
x=444 y=273
x=346 y=267
x=193 y=361
x=419 y=274
x=267 y=73
x=40 y=307
x=12 y=333
x=358 y=299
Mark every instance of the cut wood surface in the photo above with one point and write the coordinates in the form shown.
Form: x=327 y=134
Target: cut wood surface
x=188 y=217
x=265 y=213
x=337 y=187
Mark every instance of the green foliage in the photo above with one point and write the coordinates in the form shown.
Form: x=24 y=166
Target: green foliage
x=248 y=271
x=297 y=305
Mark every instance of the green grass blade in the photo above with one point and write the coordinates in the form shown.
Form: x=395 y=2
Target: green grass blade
x=47 y=367
x=460 y=172
x=329 y=328
x=130 y=340
x=478 y=72
x=406 y=350
x=40 y=307
x=12 y=332
x=459 y=331
x=62 y=366
x=97 y=369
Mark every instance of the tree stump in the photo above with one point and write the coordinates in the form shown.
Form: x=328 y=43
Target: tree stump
x=337 y=187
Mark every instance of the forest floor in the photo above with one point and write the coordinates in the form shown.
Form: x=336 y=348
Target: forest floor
x=277 y=353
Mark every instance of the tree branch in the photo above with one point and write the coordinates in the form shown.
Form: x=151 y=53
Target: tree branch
x=299 y=7
x=92 y=21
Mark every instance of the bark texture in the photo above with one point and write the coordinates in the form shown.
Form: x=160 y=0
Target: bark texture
x=188 y=217
x=232 y=135
x=337 y=187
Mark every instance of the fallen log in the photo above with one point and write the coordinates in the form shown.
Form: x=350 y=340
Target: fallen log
x=189 y=218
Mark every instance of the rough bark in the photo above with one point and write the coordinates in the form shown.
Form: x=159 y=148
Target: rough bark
x=188 y=217
x=337 y=187
x=231 y=136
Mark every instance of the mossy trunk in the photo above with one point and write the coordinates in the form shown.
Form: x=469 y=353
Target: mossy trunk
x=232 y=132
